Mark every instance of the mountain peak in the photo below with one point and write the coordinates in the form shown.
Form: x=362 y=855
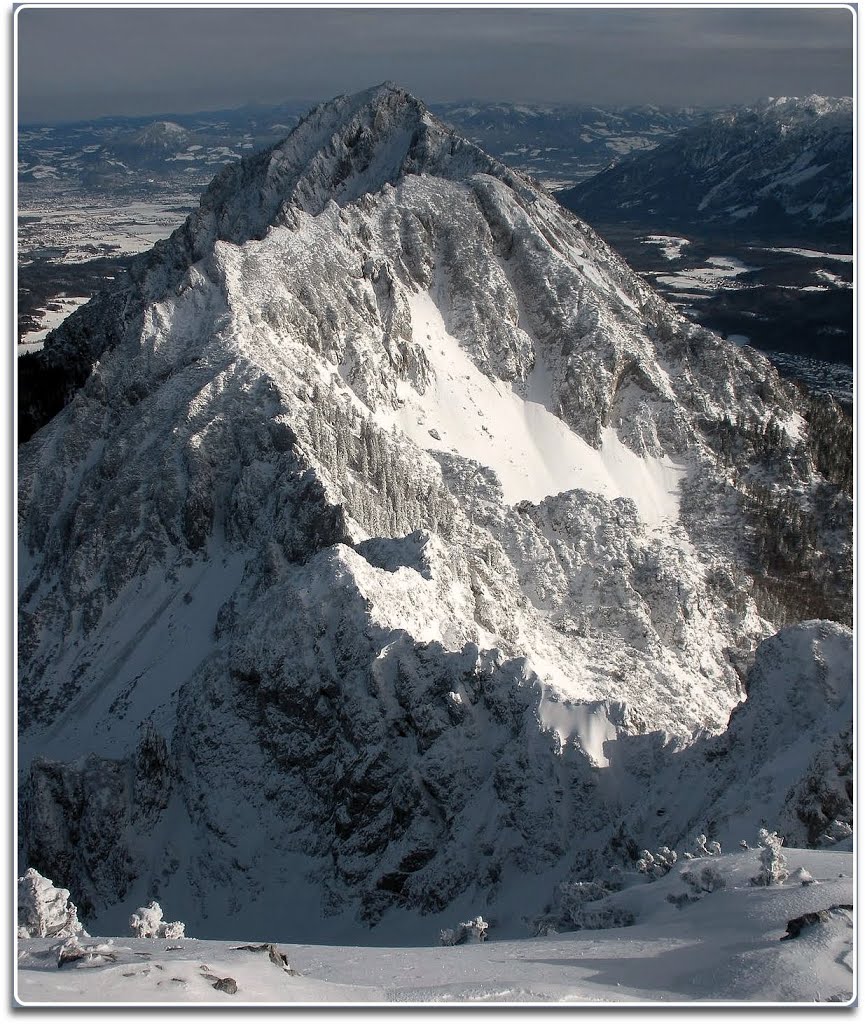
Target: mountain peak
x=368 y=542
x=342 y=149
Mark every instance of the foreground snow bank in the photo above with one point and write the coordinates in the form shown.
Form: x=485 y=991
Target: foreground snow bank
x=725 y=946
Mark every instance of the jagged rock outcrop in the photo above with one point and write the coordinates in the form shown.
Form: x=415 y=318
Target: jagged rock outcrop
x=393 y=503
x=786 y=750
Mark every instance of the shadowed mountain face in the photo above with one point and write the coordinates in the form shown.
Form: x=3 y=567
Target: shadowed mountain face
x=779 y=171
x=377 y=509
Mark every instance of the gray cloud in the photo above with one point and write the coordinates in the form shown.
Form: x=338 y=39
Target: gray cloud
x=90 y=62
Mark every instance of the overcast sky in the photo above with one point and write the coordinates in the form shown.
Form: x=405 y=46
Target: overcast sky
x=88 y=63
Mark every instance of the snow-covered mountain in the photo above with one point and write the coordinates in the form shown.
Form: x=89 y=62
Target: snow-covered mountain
x=562 y=143
x=146 y=155
x=372 y=525
x=783 y=168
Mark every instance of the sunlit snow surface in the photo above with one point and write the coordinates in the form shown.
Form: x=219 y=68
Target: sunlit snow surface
x=34 y=340
x=813 y=254
x=719 y=272
x=532 y=451
x=670 y=245
x=725 y=947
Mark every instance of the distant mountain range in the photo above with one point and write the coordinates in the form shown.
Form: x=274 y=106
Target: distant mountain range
x=566 y=141
x=558 y=144
x=783 y=168
x=115 y=151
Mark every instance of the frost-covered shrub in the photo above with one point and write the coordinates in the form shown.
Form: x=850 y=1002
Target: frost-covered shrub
x=658 y=864
x=605 y=914
x=706 y=879
x=173 y=930
x=72 y=951
x=704 y=847
x=147 y=923
x=582 y=905
x=700 y=880
x=467 y=932
x=45 y=911
x=573 y=896
x=773 y=863
x=681 y=899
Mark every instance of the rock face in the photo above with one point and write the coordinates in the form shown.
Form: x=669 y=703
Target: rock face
x=772 y=169
x=798 y=711
x=384 y=505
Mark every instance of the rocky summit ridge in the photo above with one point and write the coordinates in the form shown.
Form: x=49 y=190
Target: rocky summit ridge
x=381 y=514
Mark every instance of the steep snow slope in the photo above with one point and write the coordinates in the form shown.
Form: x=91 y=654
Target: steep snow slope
x=531 y=450
x=277 y=636
x=796 y=724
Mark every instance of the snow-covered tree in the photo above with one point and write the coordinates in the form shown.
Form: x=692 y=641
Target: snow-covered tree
x=147 y=923
x=707 y=879
x=467 y=932
x=704 y=847
x=44 y=910
x=773 y=863
x=658 y=864
x=834 y=833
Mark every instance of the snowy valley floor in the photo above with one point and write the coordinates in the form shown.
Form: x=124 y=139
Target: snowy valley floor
x=724 y=947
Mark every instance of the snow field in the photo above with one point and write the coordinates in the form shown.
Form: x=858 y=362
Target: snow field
x=34 y=340
x=813 y=254
x=532 y=451
x=723 y=947
x=719 y=272
x=670 y=245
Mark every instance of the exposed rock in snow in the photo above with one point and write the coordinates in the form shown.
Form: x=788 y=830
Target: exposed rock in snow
x=816 y=918
x=385 y=553
x=277 y=958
